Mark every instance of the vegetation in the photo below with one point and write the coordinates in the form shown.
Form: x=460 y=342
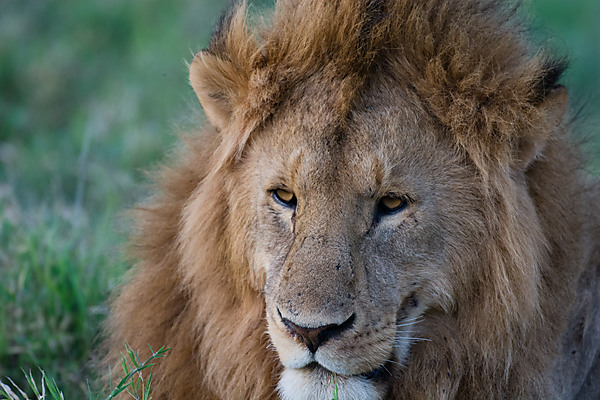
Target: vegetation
x=92 y=94
x=88 y=95
x=136 y=381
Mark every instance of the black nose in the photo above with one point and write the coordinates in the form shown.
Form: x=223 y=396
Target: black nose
x=314 y=337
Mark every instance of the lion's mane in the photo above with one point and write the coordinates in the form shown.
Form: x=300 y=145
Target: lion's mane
x=533 y=294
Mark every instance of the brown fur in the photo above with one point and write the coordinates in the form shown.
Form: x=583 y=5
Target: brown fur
x=441 y=99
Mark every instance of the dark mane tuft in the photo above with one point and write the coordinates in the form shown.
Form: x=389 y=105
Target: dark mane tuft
x=550 y=74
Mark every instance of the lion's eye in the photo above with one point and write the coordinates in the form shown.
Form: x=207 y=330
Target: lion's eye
x=284 y=197
x=390 y=205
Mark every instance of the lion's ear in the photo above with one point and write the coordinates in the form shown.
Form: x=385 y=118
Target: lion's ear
x=214 y=81
x=219 y=75
x=553 y=108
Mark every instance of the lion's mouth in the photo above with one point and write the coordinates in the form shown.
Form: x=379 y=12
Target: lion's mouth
x=377 y=374
x=317 y=382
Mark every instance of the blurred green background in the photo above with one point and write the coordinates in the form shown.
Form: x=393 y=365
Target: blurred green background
x=92 y=94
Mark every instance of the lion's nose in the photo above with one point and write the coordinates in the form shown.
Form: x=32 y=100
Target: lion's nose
x=314 y=337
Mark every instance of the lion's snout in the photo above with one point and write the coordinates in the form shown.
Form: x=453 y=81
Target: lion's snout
x=313 y=337
x=317 y=286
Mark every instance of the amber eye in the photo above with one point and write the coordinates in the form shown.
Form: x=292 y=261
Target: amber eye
x=390 y=205
x=284 y=197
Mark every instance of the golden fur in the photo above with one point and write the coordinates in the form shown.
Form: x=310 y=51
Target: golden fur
x=486 y=283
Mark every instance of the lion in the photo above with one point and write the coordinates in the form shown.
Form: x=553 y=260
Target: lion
x=385 y=203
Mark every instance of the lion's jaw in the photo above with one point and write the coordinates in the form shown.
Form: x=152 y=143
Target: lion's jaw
x=316 y=383
x=369 y=336
x=319 y=375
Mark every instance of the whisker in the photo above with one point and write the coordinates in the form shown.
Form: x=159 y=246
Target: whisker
x=410 y=338
x=411 y=321
x=412 y=318
x=392 y=362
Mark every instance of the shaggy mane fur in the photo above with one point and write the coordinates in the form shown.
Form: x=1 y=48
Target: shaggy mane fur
x=466 y=59
x=468 y=64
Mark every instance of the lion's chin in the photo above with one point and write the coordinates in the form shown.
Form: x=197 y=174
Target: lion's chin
x=319 y=384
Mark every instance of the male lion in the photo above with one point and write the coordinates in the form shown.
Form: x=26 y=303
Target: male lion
x=386 y=205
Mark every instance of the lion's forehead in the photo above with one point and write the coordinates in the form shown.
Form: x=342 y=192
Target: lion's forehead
x=374 y=147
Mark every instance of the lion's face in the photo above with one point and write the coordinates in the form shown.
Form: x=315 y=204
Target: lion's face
x=355 y=235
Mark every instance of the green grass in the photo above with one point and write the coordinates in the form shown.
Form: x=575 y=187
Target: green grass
x=57 y=275
x=48 y=388
x=91 y=96
x=136 y=380
x=335 y=387
x=572 y=28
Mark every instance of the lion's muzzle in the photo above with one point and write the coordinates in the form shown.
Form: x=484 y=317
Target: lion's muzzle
x=314 y=337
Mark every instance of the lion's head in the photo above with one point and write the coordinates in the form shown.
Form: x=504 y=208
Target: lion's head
x=356 y=237
x=367 y=197
x=362 y=211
